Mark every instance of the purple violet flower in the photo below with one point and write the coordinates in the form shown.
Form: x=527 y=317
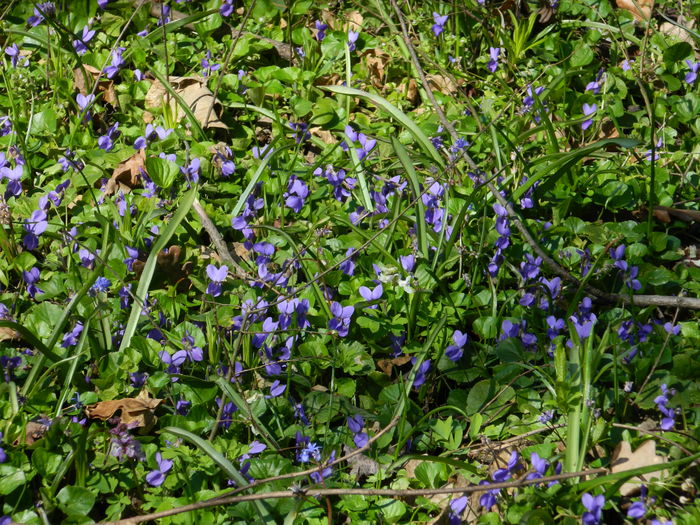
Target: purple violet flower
x=352 y=39
x=588 y=111
x=320 y=30
x=226 y=8
x=217 y=276
x=692 y=75
x=594 y=506
x=342 y=316
x=156 y=477
x=31 y=278
x=494 y=52
x=439 y=24
x=105 y=142
x=80 y=44
x=454 y=352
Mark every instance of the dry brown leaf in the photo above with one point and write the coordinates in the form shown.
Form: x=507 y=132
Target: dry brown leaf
x=672 y=30
x=360 y=464
x=376 y=61
x=195 y=93
x=412 y=91
x=387 y=365
x=139 y=410
x=645 y=455
x=354 y=20
x=640 y=9
x=8 y=334
x=325 y=135
x=127 y=174
x=443 y=84
x=33 y=432
x=106 y=86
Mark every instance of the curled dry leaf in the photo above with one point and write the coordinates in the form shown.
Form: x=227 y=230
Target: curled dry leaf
x=640 y=9
x=387 y=365
x=376 y=61
x=127 y=174
x=106 y=86
x=645 y=455
x=137 y=410
x=8 y=334
x=325 y=135
x=354 y=20
x=443 y=84
x=360 y=465
x=195 y=93
x=677 y=32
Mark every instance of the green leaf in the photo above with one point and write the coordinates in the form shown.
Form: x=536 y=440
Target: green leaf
x=75 y=501
x=479 y=395
x=583 y=55
x=676 y=53
x=163 y=172
x=431 y=474
x=11 y=477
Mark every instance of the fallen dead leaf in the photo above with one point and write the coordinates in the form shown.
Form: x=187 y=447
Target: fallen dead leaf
x=672 y=30
x=195 y=93
x=106 y=86
x=325 y=135
x=127 y=174
x=387 y=365
x=360 y=465
x=645 y=455
x=139 y=409
x=354 y=20
x=8 y=334
x=33 y=432
x=640 y=9
x=376 y=61
x=443 y=84
x=412 y=92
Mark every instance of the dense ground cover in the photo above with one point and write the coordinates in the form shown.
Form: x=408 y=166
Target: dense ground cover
x=401 y=262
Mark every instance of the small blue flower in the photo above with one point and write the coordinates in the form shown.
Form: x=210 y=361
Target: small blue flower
x=102 y=284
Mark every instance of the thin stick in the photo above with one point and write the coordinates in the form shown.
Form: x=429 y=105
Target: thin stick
x=397 y=493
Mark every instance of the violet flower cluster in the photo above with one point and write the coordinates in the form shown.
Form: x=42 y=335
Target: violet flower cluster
x=668 y=422
x=629 y=273
x=356 y=424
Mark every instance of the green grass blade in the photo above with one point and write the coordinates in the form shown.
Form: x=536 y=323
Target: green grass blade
x=415 y=186
x=396 y=113
x=225 y=465
x=267 y=157
x=240 y=403
x=150 y=266
x=561 y=162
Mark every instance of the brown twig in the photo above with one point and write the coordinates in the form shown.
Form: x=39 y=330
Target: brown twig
x=637 y=300
x=217 y=240
x=657 y=435
x=396 y=493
